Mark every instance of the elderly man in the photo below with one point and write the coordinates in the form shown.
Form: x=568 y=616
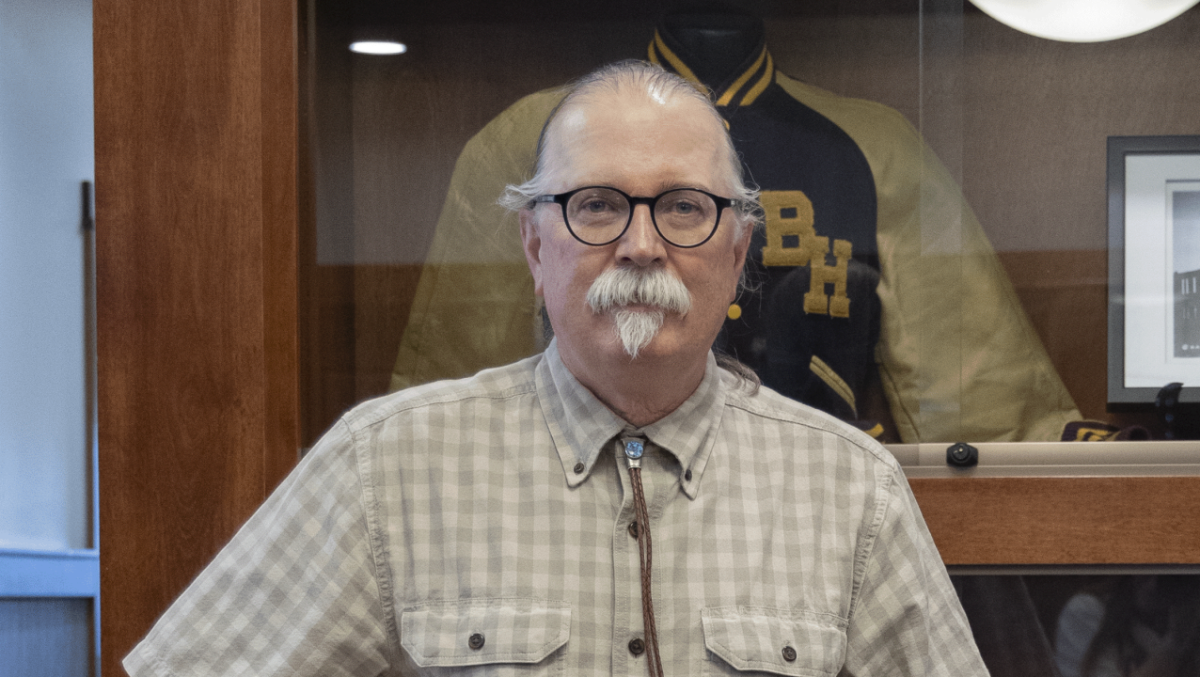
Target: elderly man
x=617 y=505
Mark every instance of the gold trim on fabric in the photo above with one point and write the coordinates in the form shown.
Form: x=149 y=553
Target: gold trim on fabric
x=831 y=379
x=742 y=79
x=761 y=85
x=1099 y=433
x=875 y=431
x=653 y=56
x=674 y=61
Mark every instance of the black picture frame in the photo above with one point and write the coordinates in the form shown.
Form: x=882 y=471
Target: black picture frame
x=1151 y=181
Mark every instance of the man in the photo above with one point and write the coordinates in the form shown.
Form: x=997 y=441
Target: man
x=617 y=505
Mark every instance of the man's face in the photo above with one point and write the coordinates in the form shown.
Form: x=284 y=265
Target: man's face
x=642 y=147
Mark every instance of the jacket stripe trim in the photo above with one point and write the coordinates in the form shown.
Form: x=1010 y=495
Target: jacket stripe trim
x=675 y=62
x=762 y=84
x=729 y=93
x=836 y=383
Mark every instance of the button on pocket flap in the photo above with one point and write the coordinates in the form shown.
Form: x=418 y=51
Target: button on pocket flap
x=775 y=640
x=481 y=631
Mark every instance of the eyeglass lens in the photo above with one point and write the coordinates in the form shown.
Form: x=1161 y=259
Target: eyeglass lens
x=599 y=215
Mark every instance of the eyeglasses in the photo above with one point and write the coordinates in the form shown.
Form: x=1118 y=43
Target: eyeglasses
x=599 y=215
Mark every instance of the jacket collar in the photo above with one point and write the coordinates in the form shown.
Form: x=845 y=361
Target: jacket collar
x=739 y=88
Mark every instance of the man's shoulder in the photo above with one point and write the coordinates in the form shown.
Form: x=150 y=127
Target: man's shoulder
x=497 y=385
x=769 y=408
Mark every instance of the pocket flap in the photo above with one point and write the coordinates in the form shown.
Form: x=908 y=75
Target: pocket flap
x=775 y=640
x=481 y=631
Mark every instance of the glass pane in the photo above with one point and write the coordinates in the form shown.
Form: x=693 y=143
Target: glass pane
x=975 y=300
x=1085 y=625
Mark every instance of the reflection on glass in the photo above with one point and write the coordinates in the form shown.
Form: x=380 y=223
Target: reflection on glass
x=1085 y=626
x=1184 y=206
x=1143 y=626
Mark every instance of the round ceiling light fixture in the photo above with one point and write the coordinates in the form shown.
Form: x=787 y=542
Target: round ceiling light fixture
x=1083 y=20
x=378 y=47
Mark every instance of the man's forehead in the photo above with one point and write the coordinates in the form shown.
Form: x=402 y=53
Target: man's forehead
x=631 y=107
x=600 y=132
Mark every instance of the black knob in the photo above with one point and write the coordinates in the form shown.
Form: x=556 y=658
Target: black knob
x=962 y=455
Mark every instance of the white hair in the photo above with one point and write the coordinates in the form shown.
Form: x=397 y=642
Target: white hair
x=659 y=85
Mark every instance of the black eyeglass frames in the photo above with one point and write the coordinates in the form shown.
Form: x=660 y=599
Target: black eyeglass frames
x=600 y=215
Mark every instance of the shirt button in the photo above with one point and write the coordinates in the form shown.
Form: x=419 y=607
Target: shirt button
x=789 y=654
x=475 y=641
x=579 y=468
x=636 y=646
x=633 y=529
x=687 y=476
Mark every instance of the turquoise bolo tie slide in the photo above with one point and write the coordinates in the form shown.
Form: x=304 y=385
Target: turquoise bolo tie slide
x=634 y=449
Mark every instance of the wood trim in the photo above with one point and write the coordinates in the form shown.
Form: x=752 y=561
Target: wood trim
x=196 y=146
x=1063 y=520
x=280 y=105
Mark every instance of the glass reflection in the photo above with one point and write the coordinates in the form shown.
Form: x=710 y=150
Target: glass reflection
x=1085 y=626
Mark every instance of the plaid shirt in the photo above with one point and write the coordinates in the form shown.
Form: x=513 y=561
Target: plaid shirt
x=482 y=527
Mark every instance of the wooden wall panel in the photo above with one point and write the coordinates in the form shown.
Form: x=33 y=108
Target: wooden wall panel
x=196 y=128
x=1063 y=520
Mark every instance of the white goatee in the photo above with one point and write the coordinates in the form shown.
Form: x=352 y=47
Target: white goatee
x=619 y=287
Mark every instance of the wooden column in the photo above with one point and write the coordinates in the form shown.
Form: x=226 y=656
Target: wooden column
x=196 y=204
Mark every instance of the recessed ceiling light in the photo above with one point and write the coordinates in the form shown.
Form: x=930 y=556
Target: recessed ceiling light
x=1083 y=20
x=378 y=47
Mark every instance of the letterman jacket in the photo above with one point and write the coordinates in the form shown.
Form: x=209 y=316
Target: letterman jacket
x=870 y=259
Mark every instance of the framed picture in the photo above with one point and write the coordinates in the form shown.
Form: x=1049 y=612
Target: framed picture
x=1154 y=267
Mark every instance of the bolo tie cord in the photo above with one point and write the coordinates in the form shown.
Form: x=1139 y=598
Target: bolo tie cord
x=633 y=456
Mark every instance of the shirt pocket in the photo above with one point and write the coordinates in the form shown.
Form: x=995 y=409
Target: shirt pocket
x=774 y=641
x=494 y=636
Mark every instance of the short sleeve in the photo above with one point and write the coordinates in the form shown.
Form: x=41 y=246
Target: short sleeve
x=906 y=618
x=294 y=593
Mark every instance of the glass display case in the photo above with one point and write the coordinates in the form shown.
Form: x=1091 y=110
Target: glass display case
x=986 y=152
x=935 y=264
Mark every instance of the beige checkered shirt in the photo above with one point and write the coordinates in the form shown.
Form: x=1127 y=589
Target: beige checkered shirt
x=480 y=527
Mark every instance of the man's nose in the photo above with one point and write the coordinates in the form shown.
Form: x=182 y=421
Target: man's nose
x=641 y=244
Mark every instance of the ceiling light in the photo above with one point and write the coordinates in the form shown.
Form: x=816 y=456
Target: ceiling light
x=378 y=47
x=1083 y=20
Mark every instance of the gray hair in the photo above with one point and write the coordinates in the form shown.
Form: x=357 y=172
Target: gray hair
x=659 y=85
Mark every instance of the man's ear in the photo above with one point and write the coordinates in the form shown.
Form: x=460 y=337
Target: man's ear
x=531 y=241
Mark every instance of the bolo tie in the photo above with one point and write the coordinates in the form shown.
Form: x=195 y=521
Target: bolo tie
x=634 y=449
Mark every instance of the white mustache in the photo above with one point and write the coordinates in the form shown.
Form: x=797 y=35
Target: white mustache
x=655 y=287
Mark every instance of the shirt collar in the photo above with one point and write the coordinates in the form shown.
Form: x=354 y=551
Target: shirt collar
x=581 y=425
x=740 y=88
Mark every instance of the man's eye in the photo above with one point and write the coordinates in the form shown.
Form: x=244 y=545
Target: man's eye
x=683 y=207
x=597 y=206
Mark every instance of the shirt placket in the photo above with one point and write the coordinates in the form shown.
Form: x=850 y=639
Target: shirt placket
x=629 y=651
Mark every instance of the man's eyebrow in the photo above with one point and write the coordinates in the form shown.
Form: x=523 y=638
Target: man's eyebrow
x=659 y=188
x=676 y=185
